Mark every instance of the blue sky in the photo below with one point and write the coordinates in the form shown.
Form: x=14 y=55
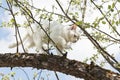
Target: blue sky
x=3 y=31
x=2 y=10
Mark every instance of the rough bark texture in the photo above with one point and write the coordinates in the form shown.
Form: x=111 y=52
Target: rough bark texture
x=56 y=63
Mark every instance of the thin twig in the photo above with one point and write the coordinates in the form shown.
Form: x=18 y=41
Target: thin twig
x=46 y=11
x=106 y=18
x=15 y=23
x=56 y=75
x=16 y=27
x=84 y=10
x=118 y=13
x=39 y=74
x=28 y=22
x=4 y=8
x=69 y=6
x=109 y=45
x=25 y=73
x=105 y=34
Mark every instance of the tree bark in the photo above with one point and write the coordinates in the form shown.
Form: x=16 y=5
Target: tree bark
x=57 y=63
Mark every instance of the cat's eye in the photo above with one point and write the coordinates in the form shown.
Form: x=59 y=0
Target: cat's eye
x=75 y=35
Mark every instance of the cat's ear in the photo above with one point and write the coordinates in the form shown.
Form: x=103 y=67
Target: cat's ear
x=73 y=27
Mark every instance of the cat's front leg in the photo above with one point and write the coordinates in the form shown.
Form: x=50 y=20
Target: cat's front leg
x=40 y=51
x=39 y=47
x=61 y=45
x=68 y=45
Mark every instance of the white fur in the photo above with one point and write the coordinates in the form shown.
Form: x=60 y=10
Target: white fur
x=63 y=36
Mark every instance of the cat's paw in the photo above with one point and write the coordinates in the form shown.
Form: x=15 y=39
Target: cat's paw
x=65 y=54
x=68 y=47
x=26 y=50
x=39 y=51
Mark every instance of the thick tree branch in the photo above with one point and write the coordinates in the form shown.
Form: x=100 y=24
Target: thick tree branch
x=56 y=63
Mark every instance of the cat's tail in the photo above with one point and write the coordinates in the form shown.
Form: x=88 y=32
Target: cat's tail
x=13 y=45
x=19 y=42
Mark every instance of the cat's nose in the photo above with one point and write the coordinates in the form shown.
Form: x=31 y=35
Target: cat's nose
x=75 y=41
x=78 y=38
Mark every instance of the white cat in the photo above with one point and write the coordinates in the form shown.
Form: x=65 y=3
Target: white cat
x=63 y=36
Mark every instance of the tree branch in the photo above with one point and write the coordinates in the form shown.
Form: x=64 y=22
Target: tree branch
x=43 y=10
x=106 y=18
x=57 y=63
x=115 y=39
x=84 y=9
x=16 y=27
x=111 y=60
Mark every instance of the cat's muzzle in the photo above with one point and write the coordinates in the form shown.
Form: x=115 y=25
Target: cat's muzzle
x=75 y=41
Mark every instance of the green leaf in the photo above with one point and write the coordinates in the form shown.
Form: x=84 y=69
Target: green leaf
x=117 y=22
x=6 y=77
x=79 y=23
x=109 y=6
x=70 y=13
x=50 y=17
x=118 y=0
x=113 y=22
x=12 y=74
x=76 y=13
x=112 y=10
x=103 y=22
x=113 y=5
x=12 y=20
x=95 y=25
x=100 y=6
x=4 y=24
x=35 y=74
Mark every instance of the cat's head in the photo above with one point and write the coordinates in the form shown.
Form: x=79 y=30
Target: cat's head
x=74 y=33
